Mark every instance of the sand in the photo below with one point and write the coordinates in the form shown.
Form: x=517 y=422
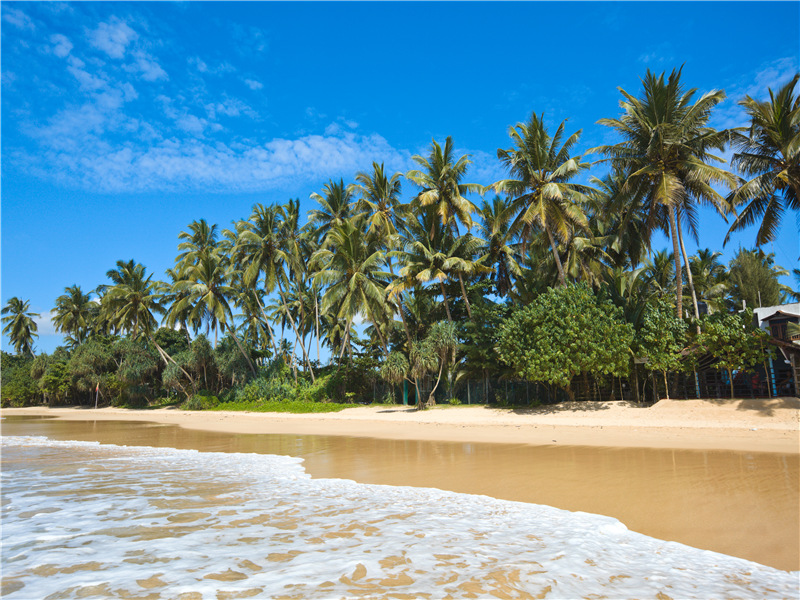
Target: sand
x=769 y=425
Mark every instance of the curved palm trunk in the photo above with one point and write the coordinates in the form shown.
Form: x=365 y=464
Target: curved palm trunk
x=269 y=329
x=294 y=328
x=673 y=226
x=464 y=293
x=239 y=345
x=562 y=280
x=346 y=340
x=689 y=276
x=378 y=329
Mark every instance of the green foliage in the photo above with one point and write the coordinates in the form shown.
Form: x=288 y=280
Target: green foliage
x=92 y=363
x=171 y=341
x=661 y=338
x=480 y=336
x=733 y=341
x=394 y=368
x=753 y=279
x=18 y=387
x=563 y=333
x=136 y=373
x=454 y=401
x=287 y=406
x=201 y=402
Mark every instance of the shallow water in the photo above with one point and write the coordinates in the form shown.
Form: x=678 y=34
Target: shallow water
x=87 y=519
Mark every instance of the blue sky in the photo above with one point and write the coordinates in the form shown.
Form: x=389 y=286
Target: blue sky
x=124 y=122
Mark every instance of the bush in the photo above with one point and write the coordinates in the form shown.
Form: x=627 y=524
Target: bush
x=201 y=402
x=454 y=401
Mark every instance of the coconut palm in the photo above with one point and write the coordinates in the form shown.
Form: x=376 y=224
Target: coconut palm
x=494 y=228
x=351 y=268
x=335 y=207
x=666 y=151
x=710 y=279
x=130 y=303
x=379 y=200
x=544 y=199
x=769 y=153
x=20 y=326
x=199 y=241
x=442 y=189
x=73 y=314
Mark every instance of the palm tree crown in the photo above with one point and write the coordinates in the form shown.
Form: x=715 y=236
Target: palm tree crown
x=19 y=325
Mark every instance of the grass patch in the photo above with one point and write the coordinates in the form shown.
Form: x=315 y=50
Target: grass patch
x=285 y=406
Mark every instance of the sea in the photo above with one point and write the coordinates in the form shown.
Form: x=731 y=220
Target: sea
x=83 y=519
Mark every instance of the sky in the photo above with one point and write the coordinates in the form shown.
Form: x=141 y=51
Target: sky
x=124 y=122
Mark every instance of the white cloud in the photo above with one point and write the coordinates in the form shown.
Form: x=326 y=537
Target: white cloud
x=112 y=37
x=147 y=66
x=17 y=18
x=61 y=45
x=253 y=84
x=45 y=325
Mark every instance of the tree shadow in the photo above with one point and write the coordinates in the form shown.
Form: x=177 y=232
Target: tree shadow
x=766 y=407
x=583 y=406
x=399 y=410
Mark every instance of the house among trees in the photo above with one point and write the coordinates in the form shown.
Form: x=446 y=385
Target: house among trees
x=782 y=322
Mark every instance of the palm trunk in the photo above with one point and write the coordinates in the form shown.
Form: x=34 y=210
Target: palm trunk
x=689 y=276
x=464 y=293
x=294 y=328
x=316 y=322
x=673 y=226
x=446 y=303
x=266 y=322
x=346 y=339
x=562 y=280
x=247 y=358
x=378 y=329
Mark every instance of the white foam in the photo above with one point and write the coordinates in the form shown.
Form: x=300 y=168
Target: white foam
x=129 y=514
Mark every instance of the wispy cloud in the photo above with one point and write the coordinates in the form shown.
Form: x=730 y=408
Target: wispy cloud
x=253 y=84
x=61 y=45
x=17 y=18
x=113 y=37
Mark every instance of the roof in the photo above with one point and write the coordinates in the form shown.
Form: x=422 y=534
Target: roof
x=781 y=315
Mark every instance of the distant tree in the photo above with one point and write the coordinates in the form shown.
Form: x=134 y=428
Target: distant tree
x=19 y=325
x=734 y=342
x=92 y=366
x=753 y=279
x=18 y=387
x=563 y=333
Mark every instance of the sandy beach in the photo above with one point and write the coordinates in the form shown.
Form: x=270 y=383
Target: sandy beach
x=771 y=425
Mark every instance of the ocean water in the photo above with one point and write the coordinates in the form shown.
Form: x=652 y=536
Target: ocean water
x=83 y=519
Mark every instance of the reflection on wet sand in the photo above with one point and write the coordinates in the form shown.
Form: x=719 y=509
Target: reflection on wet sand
x=742 y=504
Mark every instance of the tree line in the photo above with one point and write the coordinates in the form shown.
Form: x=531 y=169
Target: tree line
x=546 y=279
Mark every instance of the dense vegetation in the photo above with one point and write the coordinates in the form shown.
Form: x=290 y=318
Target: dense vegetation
x=549 y=279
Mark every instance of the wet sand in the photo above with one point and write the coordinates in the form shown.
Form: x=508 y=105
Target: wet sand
x=744 y=504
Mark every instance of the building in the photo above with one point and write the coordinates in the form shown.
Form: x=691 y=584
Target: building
x=784 y=376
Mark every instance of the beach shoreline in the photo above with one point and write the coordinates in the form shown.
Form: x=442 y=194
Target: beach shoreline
x=768 y=425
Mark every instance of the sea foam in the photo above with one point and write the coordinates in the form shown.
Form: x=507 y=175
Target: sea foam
x=82 y=519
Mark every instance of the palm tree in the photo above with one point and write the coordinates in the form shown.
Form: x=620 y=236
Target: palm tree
x=710 y=279
x=442 y=190
x=129 y=304
x=351 y=268
x=666 y=152
x=379 y=200
x=543 y=197
x=73 y=313
x=501 y=254
x=770 y=154
x=659 y=273
x=19 y=325
x=335 y=207
x=199 y=241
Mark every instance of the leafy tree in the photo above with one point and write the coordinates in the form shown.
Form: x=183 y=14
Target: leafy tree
x=660 y=339
x=171 y=340
x=137 y=369
x=441 y=343
x=734 y=342
x=18 y=387
x=541 y=168
x=51 y=372
x=769 y=153
x=563 y=333
x=91 y=365
x=19 y=325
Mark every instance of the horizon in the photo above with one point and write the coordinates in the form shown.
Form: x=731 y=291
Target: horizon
x=123 y=123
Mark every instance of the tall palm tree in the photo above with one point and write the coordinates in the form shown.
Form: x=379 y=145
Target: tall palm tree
x=73 y=314
x=442 y=189
x=19 y=325
x=666 y=151
x=541 y=168
x=130 y=303
x=710 y=279
x=351 y=268
x=770 y=154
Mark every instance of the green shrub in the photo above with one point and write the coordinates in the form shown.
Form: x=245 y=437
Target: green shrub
x=453 y=401
x=201 y=402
